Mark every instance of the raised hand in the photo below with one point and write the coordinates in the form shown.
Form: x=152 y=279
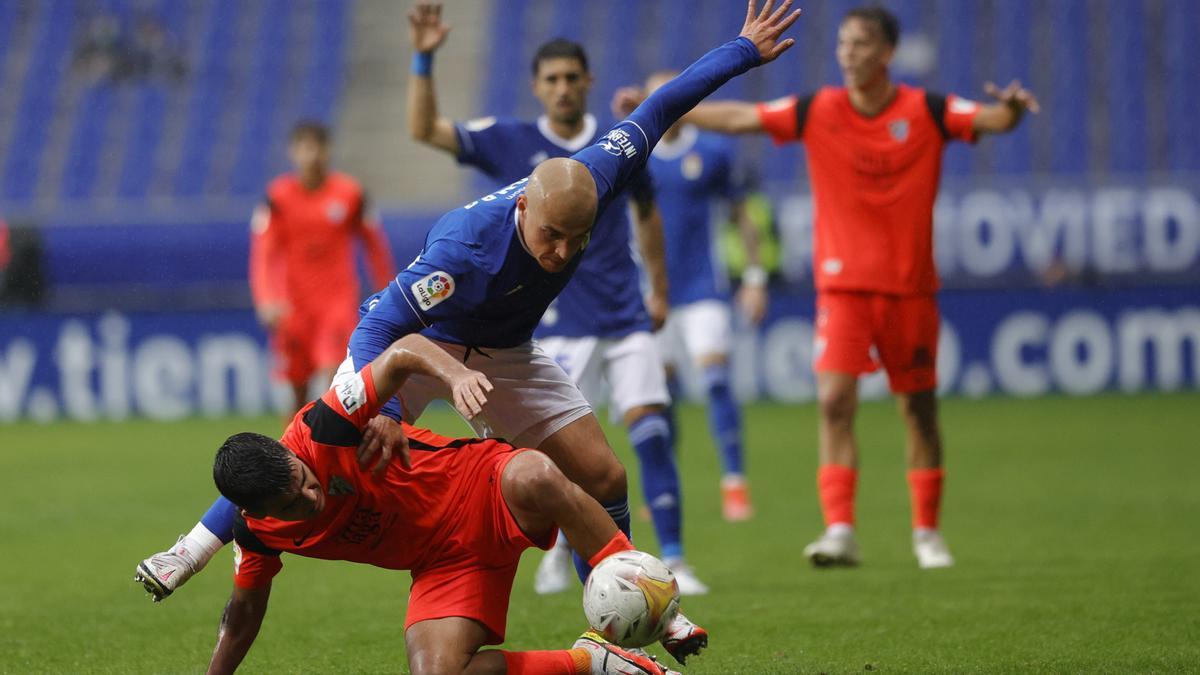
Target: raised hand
x=1014 y=96
x=626 y=100
x=425 y=28
x=764 y=28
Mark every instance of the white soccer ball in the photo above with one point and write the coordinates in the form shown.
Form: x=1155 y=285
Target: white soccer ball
x=631 y=598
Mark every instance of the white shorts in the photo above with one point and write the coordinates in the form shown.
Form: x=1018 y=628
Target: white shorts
x=627 y=372
x=697 y=329
x=532 y=396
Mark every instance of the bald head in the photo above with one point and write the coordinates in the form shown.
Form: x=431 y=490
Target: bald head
x=558 y=211
x=564 y=192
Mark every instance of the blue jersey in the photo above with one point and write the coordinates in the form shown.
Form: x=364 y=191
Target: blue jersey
x=474 y=283
x=604 y=299
x=691 y=174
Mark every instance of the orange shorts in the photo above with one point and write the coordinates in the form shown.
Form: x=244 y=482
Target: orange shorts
x=856 y=333
x=305 y=344
x=471 y=575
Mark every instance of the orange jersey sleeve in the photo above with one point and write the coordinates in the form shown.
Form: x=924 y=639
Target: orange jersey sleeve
x=268 y=259
x=954 y=115
x=783 y=118
x=353 y=398
x=380 y=264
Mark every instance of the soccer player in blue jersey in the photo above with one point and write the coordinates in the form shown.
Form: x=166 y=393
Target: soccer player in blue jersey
x=694 y=174
x=489 y=271
x=598 y=330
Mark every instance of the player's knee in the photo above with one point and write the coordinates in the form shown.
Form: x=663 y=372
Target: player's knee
x=434 y=662
x=610 y=482
x=837 y=405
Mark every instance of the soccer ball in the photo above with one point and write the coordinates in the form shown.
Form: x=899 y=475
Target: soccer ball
x=631 y=598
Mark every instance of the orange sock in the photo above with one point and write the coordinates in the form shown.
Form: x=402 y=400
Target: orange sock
x=558 y=662
x=925 y=486
x=836 y=483
x=618 y=543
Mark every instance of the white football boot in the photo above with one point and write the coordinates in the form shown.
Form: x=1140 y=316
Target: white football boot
x=684 y=638
x=162 y=573
x=685 y=576
x=609 y=659
x=931 y=549
x=556 y=572
x=835 y=547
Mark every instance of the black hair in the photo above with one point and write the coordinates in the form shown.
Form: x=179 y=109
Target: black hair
x=560 y=48
x=888 y=24
x=310 y=129
x=250 y=469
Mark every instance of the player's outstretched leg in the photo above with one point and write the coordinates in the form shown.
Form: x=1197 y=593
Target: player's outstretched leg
x=539 y=496
x=163 y=572
x=726 y=422
x=650 y=434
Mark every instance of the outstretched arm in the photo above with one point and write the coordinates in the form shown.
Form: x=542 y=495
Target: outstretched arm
x=416 y=355
x=239 y=626
x=727 y=117
x=427 y=33
x=1006 y=113
x=624 y=150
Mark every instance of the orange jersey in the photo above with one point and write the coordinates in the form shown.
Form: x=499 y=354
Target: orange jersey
x=404 y=520
x=874 y=181
x=302 y=251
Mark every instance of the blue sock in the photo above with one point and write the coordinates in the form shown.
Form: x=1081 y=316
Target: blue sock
x=675 y=389
x=619 y=510
x=219 y=519
x=724 y=417
x=651 y=438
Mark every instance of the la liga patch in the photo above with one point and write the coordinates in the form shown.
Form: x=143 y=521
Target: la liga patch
x=432 y=289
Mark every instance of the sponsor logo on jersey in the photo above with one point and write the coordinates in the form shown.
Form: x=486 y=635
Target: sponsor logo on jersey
x=479 y=124
x=352 y=393
x=692 y=165
x=432 y=289
x=335 y=211
x=899 y=130
x=963 y=106
x=617 y=142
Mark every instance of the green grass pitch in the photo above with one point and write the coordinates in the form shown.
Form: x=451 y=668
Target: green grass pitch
x=1075 y=523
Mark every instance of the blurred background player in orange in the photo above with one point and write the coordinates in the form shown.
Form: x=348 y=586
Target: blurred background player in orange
x=874 y=150
x=303 y=275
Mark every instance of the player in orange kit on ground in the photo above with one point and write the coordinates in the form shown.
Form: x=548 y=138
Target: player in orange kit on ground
x=303 y=276
x=458 y=518
x=874 y=155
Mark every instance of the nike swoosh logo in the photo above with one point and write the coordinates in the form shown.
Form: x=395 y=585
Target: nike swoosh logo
x=519 y=287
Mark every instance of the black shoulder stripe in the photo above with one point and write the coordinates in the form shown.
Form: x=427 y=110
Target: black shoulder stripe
x=330 y=428
x=802 y=113
x=247 y=539
x=936 y=103
x=414 y=444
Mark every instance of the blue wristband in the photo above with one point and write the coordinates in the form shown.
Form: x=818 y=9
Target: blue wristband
x=422 y=64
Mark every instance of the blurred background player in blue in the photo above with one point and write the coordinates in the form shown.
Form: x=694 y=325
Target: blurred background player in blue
x=598 y=330
x=694 y=176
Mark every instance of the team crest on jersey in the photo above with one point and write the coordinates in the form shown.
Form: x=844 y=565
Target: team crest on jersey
x=692 y=165
x=335 y=212
x=352 y=393
x=899 y=130
x=432 y=289
x=617 y=142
